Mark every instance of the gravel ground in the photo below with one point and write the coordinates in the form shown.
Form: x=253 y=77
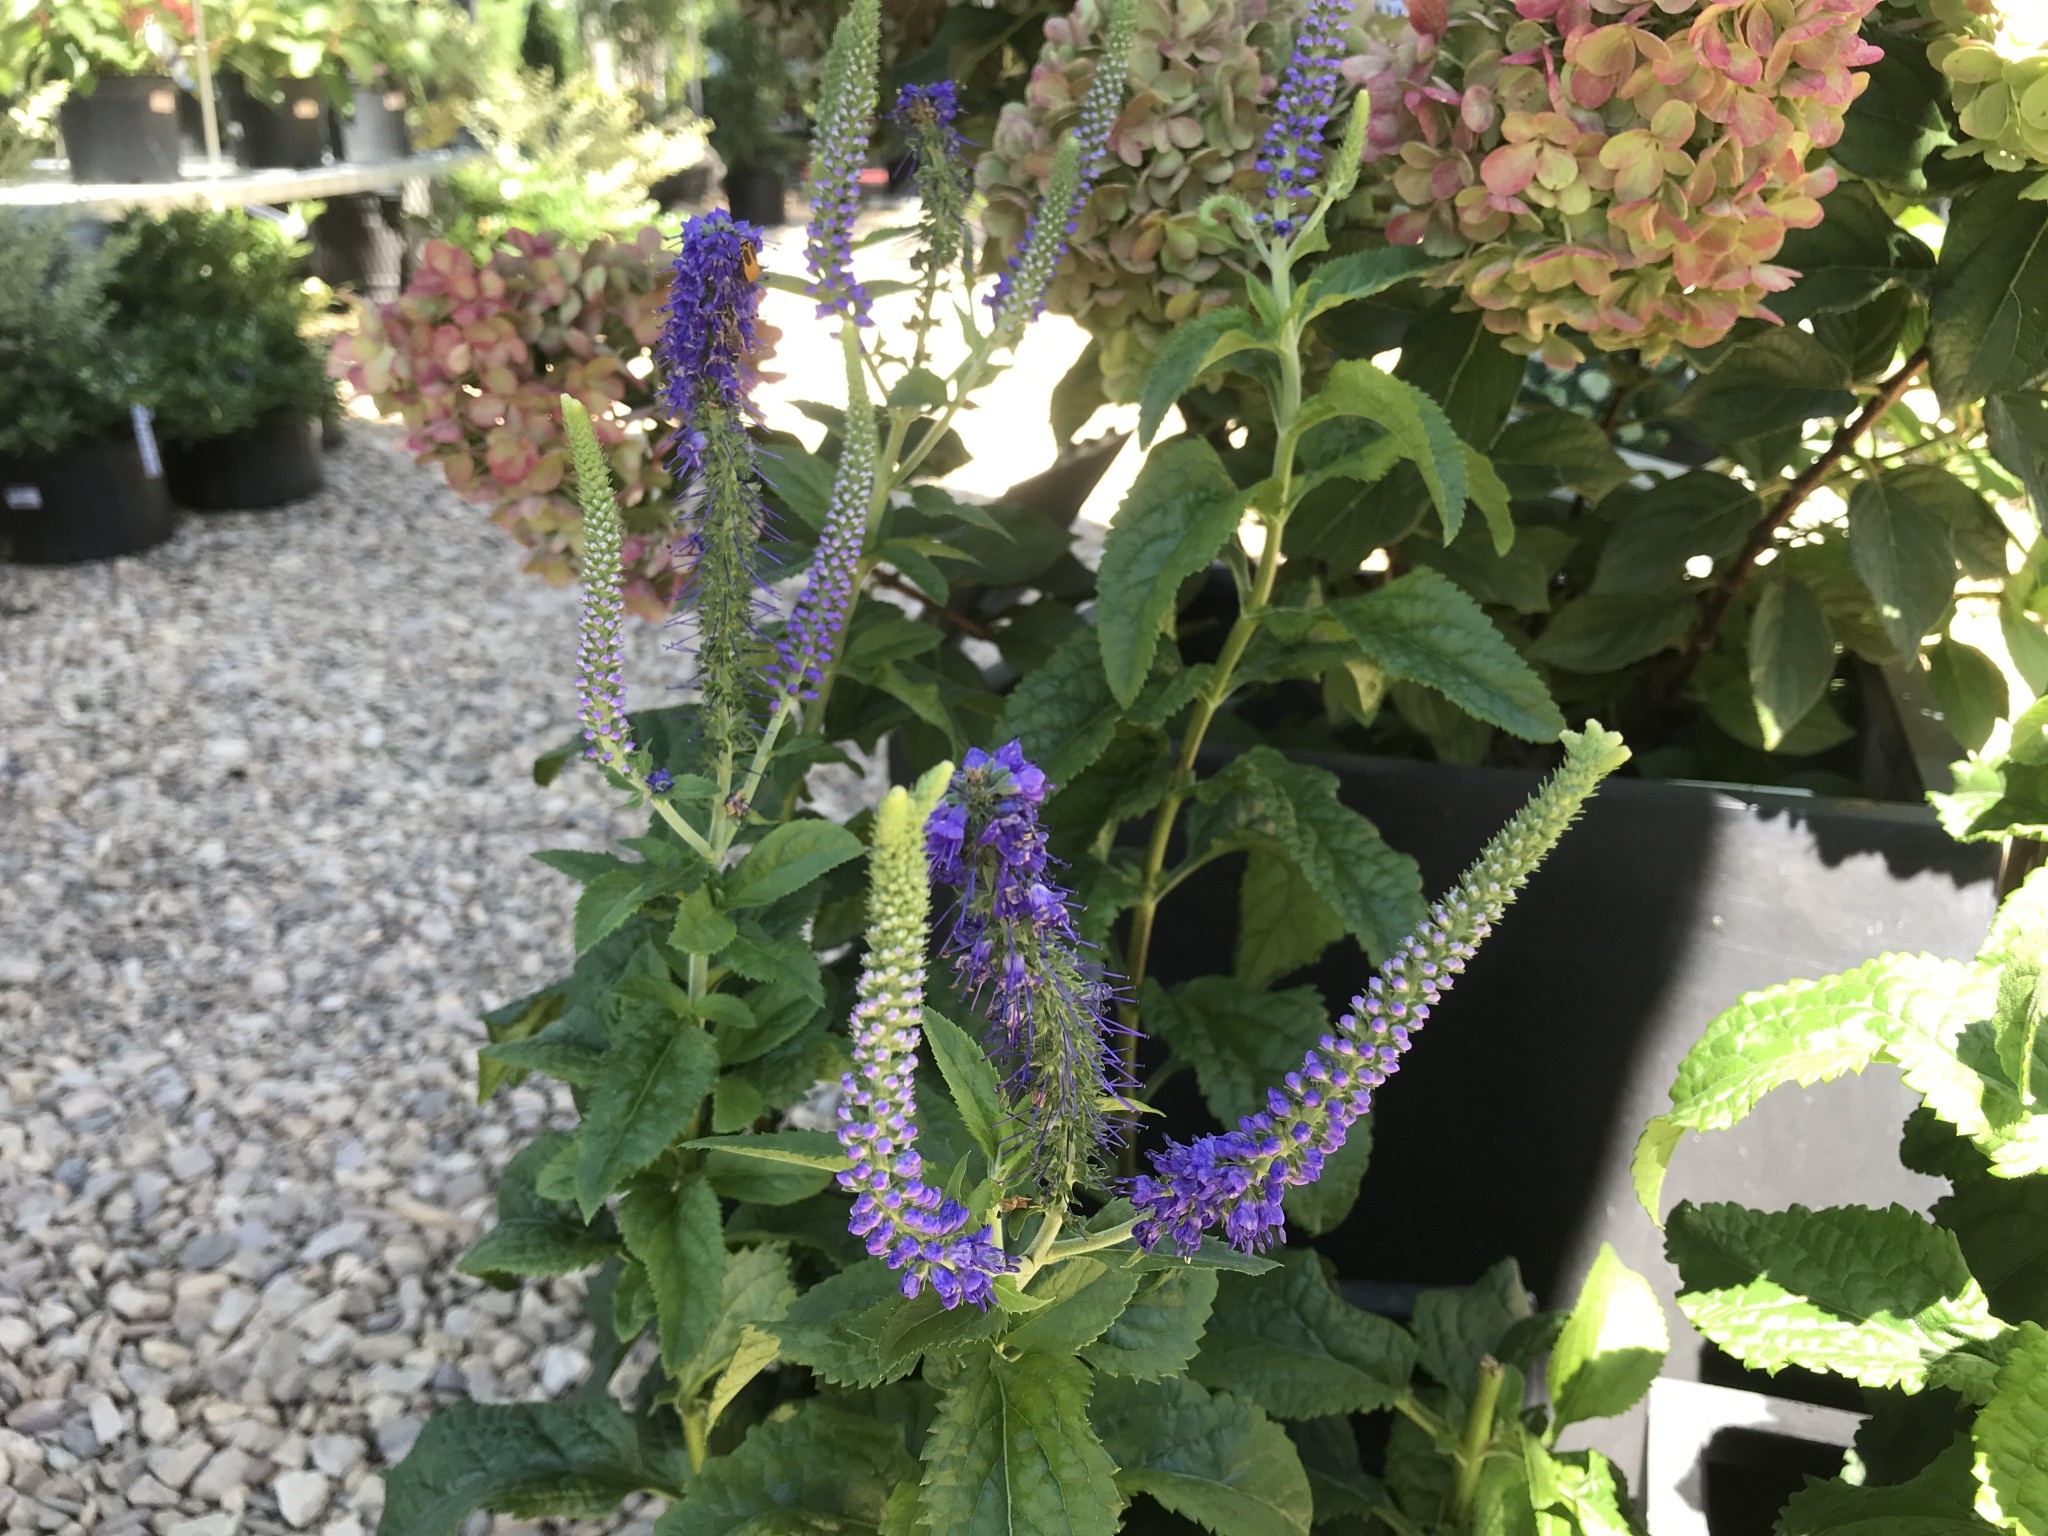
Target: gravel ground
x=265 y=812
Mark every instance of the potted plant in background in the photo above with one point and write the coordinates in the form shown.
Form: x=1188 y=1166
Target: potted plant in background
x=397 y=55
x=79 y=477
x=214 y=309
x=120 y=120
x=283 y=72
x=746 y=96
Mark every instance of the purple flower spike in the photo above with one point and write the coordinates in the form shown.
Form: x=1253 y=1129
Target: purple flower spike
x=846 y=111
x=1235 y=1181
x=921 y=106
x=709 y=336
x=1016 y=952
x=1291 y=155
x=904 y=1221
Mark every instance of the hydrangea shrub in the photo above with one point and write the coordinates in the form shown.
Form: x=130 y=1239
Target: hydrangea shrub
x=476 y=356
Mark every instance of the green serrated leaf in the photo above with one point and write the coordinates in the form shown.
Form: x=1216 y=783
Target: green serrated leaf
x=1063 y=711
x=836 y=1326
x=1612 y=1346
x=677 y=1237
x=1297 y=1349
x=569 y=1460
x=1359 y=276
x=1188 y=352
x=1882 y=1297
x=1803 y=1032
x=657 y=1072
x=1937 y=1502
x=1283 y=924
x=1012 y=1451
x=789 y=858
x=971 y=1078
x=1085 y=1296
x=700 y=928
x=611 y=898
x=1178 y=514
x=1262 y=797
x=1411 y=418
x=1159 y=1331
x=1209 y=1457
x=1422 y=629
x=2011 y=1438
x=1455 y=1330
x=811 y=1469
x=754 y=1294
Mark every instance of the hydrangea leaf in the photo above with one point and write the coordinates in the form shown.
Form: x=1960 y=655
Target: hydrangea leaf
x=1011 y=1450
x=1658 y=530
x=1791 y=656
x=1988 y=325
x=1901 y=550
x=1177 y=515
x=1211 y=1458
x=573 y=1460
x=819 y=1469
x=1292 y=1345
x=1612 y=1346
x=2010 y=1434
x=1158 y=1333
x=1803 y=1032
x=1882 y=1297
x=1421 y=628
x=1605 y=631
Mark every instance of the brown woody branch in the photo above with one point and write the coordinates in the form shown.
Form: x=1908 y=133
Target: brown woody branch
x=960 y=621
x=1794 y=496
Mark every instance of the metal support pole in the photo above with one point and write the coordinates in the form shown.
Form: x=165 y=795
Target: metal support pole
x=209 y=122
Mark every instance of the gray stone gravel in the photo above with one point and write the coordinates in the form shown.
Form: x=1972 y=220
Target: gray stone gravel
x=265 y=817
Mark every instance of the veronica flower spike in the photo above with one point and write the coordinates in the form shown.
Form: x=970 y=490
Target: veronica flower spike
x=1016 y=953
x=708 y=341
x=1291 y=154
x=1019 y=295
x=905 y=1222
x=600 y=651
x=1235 y=1181
x=846 y=113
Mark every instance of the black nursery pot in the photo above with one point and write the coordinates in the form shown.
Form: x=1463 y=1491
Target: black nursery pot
x=292 y=135
x=125 y=129
x=357 y=244
x=755 y=195
x=374 y=128
x=267 y=465
x=94 y=501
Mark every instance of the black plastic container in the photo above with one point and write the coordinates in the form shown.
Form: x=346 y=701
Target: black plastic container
x=267 y=465
x=290 y=135
x=357 y=244
x=374 y=128
x=756 y=196
x=94 y=501
x=123 y=130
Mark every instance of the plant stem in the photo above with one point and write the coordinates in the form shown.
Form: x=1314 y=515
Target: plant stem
x=960 y=621
x=1041 y=1248
x=1473 y=1443
x=1419 y=1416
x=1094 y=1242
x=1395 y=1521
x=1211 y=699
x=694 y=1437
x=1802 y=486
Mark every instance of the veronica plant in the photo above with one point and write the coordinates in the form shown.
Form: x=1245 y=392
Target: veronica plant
x=854 y=1169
